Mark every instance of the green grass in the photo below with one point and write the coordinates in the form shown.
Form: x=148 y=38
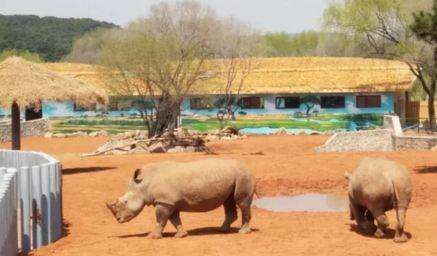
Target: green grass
x=121 y=124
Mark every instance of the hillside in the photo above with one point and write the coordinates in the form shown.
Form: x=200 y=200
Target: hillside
x=50 y=37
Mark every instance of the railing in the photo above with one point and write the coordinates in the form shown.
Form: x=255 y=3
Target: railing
x=39 y=204
x=8 y=212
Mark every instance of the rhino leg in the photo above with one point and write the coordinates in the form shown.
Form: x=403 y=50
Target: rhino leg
x=400 y=236
x=362 y=217
x=230 y=214
x=163 y=213
x=175 y=219
x=245 y=215
x=382 y=221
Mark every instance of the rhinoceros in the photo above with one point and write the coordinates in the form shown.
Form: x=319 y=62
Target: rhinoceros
x=199 y=186
x=376 y=186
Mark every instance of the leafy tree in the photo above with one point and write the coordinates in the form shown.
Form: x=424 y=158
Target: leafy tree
x=23 y=54
x=424 y=27
x=385 y=26
x=50 y=37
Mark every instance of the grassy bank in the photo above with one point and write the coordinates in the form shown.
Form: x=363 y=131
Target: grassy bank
x=121 y=124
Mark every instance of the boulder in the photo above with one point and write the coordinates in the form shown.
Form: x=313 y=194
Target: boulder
x=59 y=135
x=48 y=135
x=434 y=148
x=157 y=148
x=281 y=131
x=94 y=134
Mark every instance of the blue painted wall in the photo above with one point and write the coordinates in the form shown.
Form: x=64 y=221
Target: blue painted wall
x=66 y=109
x=387 y=106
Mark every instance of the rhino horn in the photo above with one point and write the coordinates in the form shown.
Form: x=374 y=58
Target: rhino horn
x=111 y=207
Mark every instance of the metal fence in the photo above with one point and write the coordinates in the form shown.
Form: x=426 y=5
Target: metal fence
x=33 y=211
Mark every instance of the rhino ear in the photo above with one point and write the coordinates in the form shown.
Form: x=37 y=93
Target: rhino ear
x=136 y=176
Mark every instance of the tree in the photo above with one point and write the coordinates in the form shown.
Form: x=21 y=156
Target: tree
x=310 y=101
x=88 y=48
x=160 y=59
x=385 y=26
x=424 y=27
x=33 y=57
x=236 y=49
x=50 y=37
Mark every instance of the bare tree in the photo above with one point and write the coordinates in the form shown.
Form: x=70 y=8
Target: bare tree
x=160 y=59
x=237 y=48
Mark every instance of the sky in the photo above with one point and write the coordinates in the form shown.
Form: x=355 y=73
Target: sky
x=291 y=16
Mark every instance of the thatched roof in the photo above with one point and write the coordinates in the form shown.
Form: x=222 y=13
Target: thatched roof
x=292 y=75
x=27 y=83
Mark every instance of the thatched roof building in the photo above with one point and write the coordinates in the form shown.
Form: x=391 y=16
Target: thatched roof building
x=291 y=75
x=27 y=83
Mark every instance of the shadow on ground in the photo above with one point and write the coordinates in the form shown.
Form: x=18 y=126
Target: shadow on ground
x=192 y=232
x=426 y=169
x=389 y=233
x=68 y=171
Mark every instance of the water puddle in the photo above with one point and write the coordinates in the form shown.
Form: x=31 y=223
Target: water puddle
x=303 y=203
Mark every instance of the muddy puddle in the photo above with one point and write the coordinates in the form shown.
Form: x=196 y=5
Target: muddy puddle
x=303 y=203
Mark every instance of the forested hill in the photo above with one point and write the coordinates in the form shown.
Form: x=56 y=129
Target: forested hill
x=50 y=37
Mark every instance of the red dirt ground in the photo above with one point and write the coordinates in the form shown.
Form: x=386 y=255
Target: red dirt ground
x=286 y=165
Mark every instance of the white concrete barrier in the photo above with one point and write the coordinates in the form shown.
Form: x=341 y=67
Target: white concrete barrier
x=36 y=199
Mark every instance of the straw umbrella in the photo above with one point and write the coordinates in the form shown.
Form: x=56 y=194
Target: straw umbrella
x=23 y=83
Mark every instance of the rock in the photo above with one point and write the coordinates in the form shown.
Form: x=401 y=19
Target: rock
x=82 y=134
x=179 y=149
x=281 y=131
x=157 y=148
x=229 y=130
x=48 y=135
x=94 y=134
x=103 y=133
x=434 y=148
x=59 y=135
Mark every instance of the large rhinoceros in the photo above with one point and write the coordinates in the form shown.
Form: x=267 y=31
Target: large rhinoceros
x=198 y=186
x=376 y=186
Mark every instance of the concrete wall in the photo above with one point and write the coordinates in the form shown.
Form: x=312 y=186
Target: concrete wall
x=66 y=109
x=29 y=128
x=387 y=106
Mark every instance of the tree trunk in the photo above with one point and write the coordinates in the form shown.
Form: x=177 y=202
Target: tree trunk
x=16 y=127
x=431 y=113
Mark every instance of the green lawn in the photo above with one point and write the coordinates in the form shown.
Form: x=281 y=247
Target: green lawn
x=121 y=124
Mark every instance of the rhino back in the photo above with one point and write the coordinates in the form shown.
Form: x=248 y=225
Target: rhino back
x=373 y=180
x=195 y=186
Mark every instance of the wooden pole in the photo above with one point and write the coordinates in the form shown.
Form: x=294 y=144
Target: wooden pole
x=16 y=127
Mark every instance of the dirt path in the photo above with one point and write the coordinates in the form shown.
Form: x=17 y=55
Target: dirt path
x=281 y=165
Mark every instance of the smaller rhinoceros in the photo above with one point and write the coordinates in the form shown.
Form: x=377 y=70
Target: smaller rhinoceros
x=376 y=186
x=198 y=186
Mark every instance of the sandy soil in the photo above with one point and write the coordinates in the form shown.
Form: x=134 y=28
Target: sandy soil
x=281 y=164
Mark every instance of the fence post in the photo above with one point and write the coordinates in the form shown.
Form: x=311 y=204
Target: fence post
x=26 y=206
x=13 y=233
x=46 y=204
x=36 y=207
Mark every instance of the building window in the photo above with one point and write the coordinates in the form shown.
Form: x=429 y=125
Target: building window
x=251 y=103
x=332 y=102
x=287 y=102
x=78 y=108
x=368 y=101
x=200 y=103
